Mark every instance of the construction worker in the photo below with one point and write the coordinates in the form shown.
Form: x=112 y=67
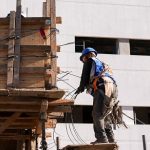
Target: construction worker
x=98 y=80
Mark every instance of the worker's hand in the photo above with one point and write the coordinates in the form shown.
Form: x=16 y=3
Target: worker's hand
x=79 y=90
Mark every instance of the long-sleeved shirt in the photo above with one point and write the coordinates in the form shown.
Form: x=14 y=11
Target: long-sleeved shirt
x=85 y=76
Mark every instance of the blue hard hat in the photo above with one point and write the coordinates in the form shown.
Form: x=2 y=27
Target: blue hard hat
x=87 y=51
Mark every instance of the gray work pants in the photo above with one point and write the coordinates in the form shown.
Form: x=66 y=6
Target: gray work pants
x=101 y=123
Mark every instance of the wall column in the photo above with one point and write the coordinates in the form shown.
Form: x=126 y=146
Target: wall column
x=123 y=47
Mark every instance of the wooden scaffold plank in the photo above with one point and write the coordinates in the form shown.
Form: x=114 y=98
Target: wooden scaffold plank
x=102 y=146
x=54 y=94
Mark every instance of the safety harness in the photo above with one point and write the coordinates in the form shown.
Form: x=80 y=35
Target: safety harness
x=107 y=71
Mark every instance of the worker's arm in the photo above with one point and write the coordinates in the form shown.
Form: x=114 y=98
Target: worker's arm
x=85 y=77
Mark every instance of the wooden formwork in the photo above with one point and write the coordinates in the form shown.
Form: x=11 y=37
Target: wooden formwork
x=92 y=147
x=28 y=70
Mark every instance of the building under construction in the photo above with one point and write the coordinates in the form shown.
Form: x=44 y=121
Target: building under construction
x=29 y=72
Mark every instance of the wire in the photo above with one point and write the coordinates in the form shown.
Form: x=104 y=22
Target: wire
x=69 y=93
x=104 y=3
x=69 y=72
x=67 y=130
x=78 y=136
x=133 y=118
x=67 y=83
x=73 y=135
x=69 y=43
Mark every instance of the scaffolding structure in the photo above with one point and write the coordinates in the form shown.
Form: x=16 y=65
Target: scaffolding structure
x=28 y=71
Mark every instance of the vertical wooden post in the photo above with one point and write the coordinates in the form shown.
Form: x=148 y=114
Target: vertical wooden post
x=17 y=44
x=51 y=12
x=53 y=41
x=11 y=50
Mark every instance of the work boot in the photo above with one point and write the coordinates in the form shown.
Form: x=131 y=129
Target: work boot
x=111 y=139
x=99 y=141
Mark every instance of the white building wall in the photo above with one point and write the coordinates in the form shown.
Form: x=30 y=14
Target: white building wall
x=98 y=18
x=105 y=18
x=30 y=8
x=127 y=139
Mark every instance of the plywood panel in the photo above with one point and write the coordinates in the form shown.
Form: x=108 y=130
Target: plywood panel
x=3 y=52
x=3 y=81
x=29 y=50
x=33 y=39
x=3 y=70
x=32 y=62
x=31 y=81
x=3 y=61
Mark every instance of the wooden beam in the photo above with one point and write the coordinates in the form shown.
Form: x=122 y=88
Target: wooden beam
x=4 y=21
x=40 y=93
x=11 y=50
x=102 y=146
x=22 y=127
x=60 y=102
x=7 y=123
x=20 y=119
x=17 y=44
x=55 y=115
x=27 y=108
x=31 y=21
x=15 y=137
x=27 y=70
x=33 y=101
x=36 y=50
x=39 y=21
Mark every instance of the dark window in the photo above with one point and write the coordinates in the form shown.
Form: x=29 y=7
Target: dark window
x=142 y=115
x=140 y=47
x=80 y=114
x=102 y=45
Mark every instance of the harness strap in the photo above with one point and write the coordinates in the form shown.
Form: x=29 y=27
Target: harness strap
x=95 y=83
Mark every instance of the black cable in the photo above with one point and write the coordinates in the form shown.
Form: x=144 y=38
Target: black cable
x=133 y=118
x=73 y=134
x=67 y=130
x=67 y=83
x=69 y=93
x=78 y=136
x=69 y=43
x=64 y=76
x=69 y=72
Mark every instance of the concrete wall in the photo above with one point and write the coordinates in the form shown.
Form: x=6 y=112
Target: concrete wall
x=105 y=18
x=99 y=18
